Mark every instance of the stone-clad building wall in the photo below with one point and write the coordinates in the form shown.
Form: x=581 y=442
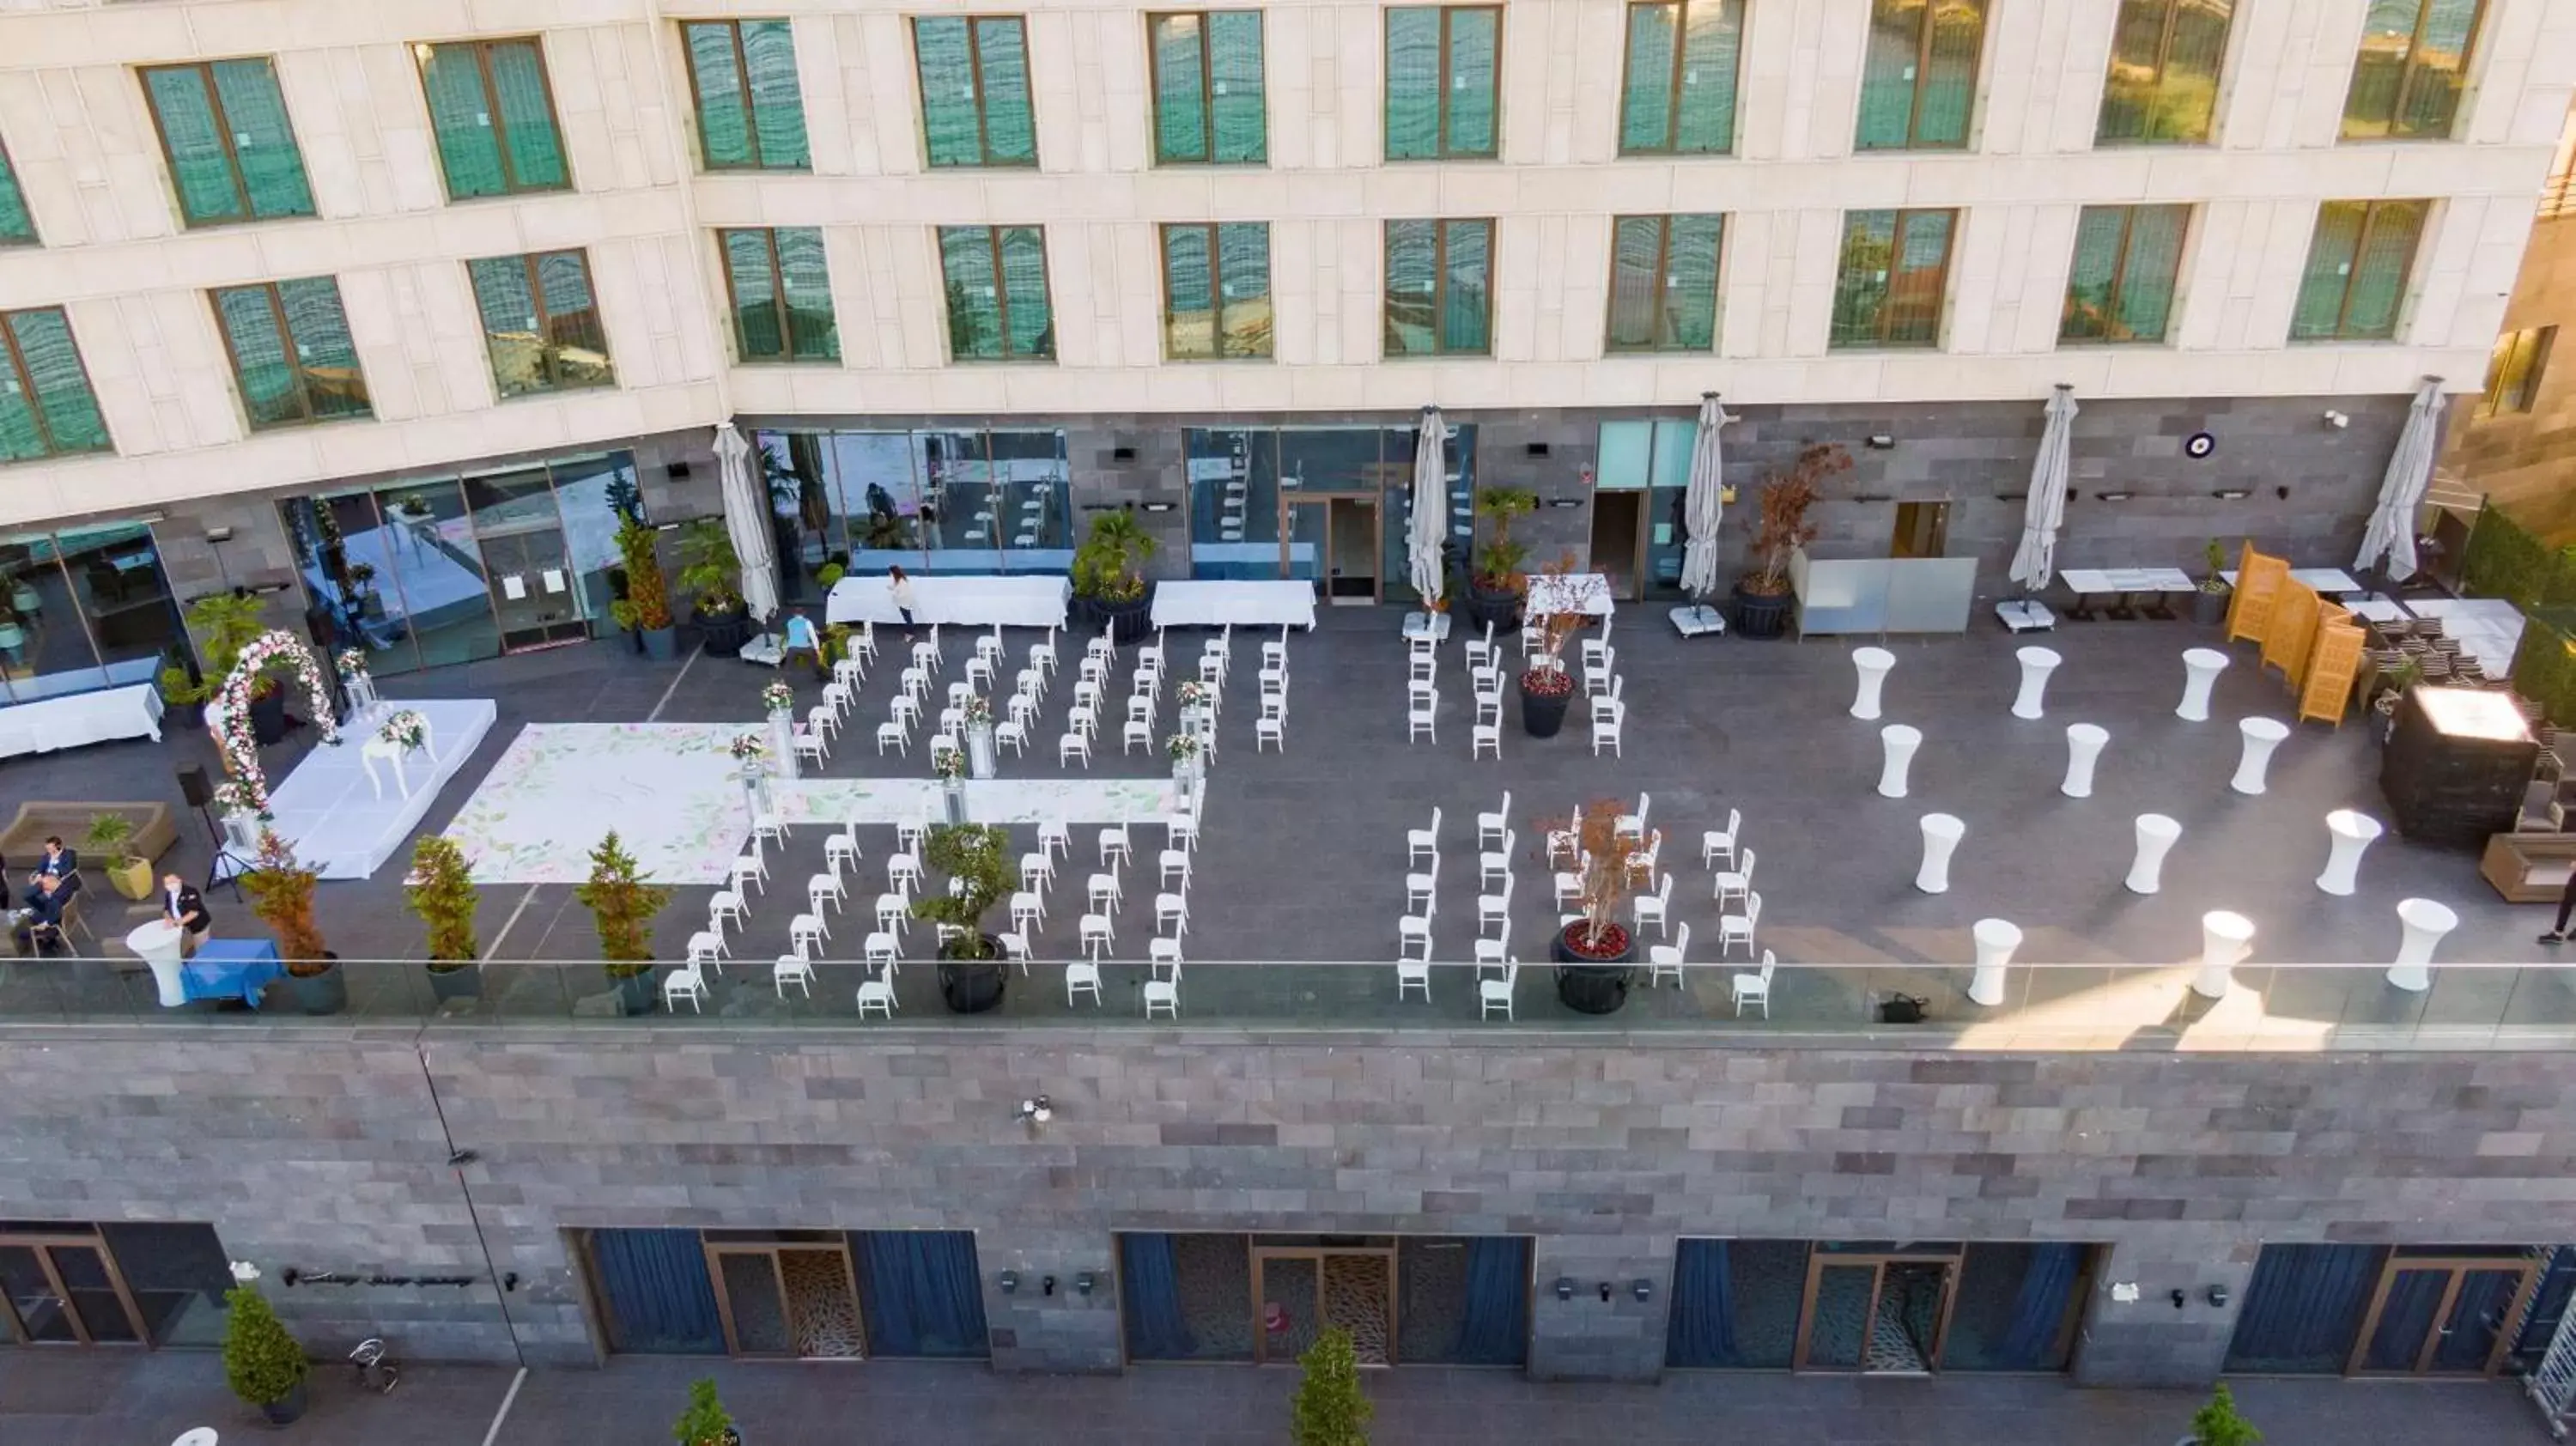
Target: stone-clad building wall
x=324 y=1150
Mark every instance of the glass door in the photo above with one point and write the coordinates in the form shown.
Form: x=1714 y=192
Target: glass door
x=526 y=566
x=66 y=1292
x=1873 y=1313
x=1305 y=543
x=786 y=1300
x=1298 y=1292
x=2439 y=1316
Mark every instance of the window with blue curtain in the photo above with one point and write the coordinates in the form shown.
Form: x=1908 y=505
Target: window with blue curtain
x=920 y=1293
x=1462 y=1300
x=1149 y=1283
x=225 y=133
x=2015 y=1307
x=2303 y=1308
x=1700 y=1329
x=494 y=115
x=1735 y=1304
x=655 y=1297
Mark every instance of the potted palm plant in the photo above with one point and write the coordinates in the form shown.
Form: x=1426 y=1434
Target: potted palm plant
x=1780 y=527
x=2217 y=1424
x=1494 y=583
x=262 y=1363
x=712 y=576
x=108 y=835
x=281 y=894
x=184 y=701
x=706 y=1422
x=1112 y=595
x=648 y=598
x=2209 y=605
x=622 y=907
x=1592 y=953
x=1547 y=686
x=977 y=859
x=441 y=891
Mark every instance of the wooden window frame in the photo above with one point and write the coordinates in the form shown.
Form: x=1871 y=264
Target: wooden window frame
x=2370 y=214
x=1663 y=280
x=777 y=296
x=205 y=72
x=1216 y=288
x=1672 y=80
x=2492 y=401
x=1923 y=78
x=698 y=99
x=1905 y=216
x=983 y=92
x=1440 y=285
x=2410 y=68
x=482 y=48
x=35 y=399
x=1207 y=94
x=2119 y=279
x=1440 y=126
x=1002 y=296
x=545 y=317
x=286 y=338
x=2164 y=61
x=35 y=234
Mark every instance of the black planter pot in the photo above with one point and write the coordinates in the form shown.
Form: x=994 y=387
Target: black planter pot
x=268 y=716
x=1498 y=606
x=285 y=1410
x=972 y=986
x=323 y=993
x=634 y=991
x=185 y=715
x=724 y=633
x=1123 y=623
x=1761 y=615
x=1542 y=714
x=1587 y=985
x=634 y=640
x=2208 y=609
x=661 y=644
x=465 y=983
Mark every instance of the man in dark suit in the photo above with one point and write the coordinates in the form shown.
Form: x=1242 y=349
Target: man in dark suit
x=39 y=929
x=59 y=862
x=182 y=905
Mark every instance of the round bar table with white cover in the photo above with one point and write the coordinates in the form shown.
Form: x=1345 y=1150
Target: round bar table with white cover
x=2352 y=832
x=1941 y=835
x=159 y=945
x=2036 y=665
x=1872 y=665
x=2200 y=670
x=2156 y=836
x=1900 y=742
x=2424 y=923
x=2225 y=940
x=2083 y=746
x=2262 y=735
x=1996 y=941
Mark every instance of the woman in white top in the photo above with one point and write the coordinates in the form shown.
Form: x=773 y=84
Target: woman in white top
x=901 y=587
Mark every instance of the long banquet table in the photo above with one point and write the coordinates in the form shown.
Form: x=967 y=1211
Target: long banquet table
x=81 y=718
x=981 y=600
x=1249 y=604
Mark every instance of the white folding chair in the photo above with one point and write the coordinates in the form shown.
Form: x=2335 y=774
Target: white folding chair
x=1494 y=911
x=848 y=675
x=1072 y=744
x=1756 y=988
x=1657 y=906
x=838 y=697
x=1175 y=864
x=1080 y=978
x=1419 y=891
x=1720 y=843
x=1269 y=729
x=1104 y=893
x=725 y=904
x=1055 y=836
x=1493 y=994
x=792 y=968
x=1011 y=734
x=1164 y=995
x=1635 y=823
x=840 y=848
x=1421 y=841
x=1150 y=655
x=988 y=648
x=1411 y=931
x=1172 y=909
x=1115 y=847
x=684 y=982
x=1491 y=828
x=1567 y=842
x=1028 y=910
x=1274 y=652
x=805 y=934
x=1605 y=730
x=877 y=995
x=1496 y=863
x=748 y=869
x=880 y=948
x=1489 y=710
x=1732 y=928
x=825 y=886
x=1095 y=934
x=1411 y=974
x=903 y=872
x=925 y=655
x=1042 y=655
x=1736 y=883
x=1483 y=738
x=1137 y=734
x=1663 y=959
x=1419 y=720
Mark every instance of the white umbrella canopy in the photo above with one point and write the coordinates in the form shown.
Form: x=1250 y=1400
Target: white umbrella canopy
x=1703 y=501
x=2391 y=533
x=1430 y=507
x=746 y=514
x=2035 y=560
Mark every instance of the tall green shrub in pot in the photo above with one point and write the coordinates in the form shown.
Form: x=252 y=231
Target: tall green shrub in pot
x=2217 y=1424
x=648 y=597
x=441 y=891
x=622 y=908
x=706 y=1422
x=262 y=1363
x=977 y=859
x=1329 y=1409
x=1105 y=575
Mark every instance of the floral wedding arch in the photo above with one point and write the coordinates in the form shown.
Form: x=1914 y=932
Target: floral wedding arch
x=229 y=717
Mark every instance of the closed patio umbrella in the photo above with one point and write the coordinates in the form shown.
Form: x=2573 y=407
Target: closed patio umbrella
x=746 y=513
x=1430 y=508
x=1703 y=503
x=2392 y=523
x=2035 y=560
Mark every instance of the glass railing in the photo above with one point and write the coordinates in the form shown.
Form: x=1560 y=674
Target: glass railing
x=2035 y=1007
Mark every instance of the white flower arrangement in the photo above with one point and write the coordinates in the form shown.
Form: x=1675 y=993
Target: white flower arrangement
x=778 y=698
x=231 y=796
x=352 y=664
x=948 y=765
x=978 y=710
x=1193 y=693
x=748 y=748
x=406 y=730
x=1182 y=747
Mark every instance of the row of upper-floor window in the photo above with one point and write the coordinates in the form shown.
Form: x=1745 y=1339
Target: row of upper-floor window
x=231 y=151
x=293 y=360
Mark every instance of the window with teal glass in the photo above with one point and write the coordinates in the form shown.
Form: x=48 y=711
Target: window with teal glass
x=751 y=116
x=1439 y=291
x=1894 y=270
x=2163 y=81
x=17 y=228
x=291 y=353
x=1679 y=98
x=1663 y=282
x=997 y=293
x=1216 y=291
x=2406 y=77
x=1440 y=76
x=1919 y=79
x=975 y=108
x=541 y=323
x=46 y=408
x=2358 y=263
x=2121 y=287
x=230 y=147
x=781 y=294
x=494 y=112
x=1207 y=88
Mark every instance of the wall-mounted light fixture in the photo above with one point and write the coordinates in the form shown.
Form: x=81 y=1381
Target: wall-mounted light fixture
x=1605 y=1292
x=1010 y=1282
x=2337 y=420
x=2232 y=494
x=2110 y=496
x=2181 y=1297
x=1158 y=506
x=1565 y=502
x=1880 y=442
x=1122 y=454
x=1565 y=1287
x=1046 y=1285
x=1037 y=1109
x=2218 y=1296
x=1085 y=1281
x=2012 y=497
x=1642 y=1289
x=219 y=534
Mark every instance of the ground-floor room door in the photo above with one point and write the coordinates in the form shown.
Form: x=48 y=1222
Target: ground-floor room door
x=1881 y=1314
x=1406 y=1300
x=1899 y=1307
x=66 y=1290
x=2438 y=1316
x=2372 y=1310
x=1298 y=1292
x=1618 y=542
x=788 y=1294
x=1332 y=542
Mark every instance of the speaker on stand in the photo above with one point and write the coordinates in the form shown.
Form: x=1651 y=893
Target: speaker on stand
x=228 y=867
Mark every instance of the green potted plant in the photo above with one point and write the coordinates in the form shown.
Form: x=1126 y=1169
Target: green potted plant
x=108 y=835
x=622 y=907
x=441 y=891
x=829 y=575
x=1780 y=527
x=706 y=1422
x=711 y=575
x=648 y=599
x=262 y=1363
x=2217 y=1424
x=1495 y=581
x=1107 y=588
x=1592 y=953
x=224 y=624
x=978 y=861
x=1329 y=1408
x=2209 y=605
x=182 y=698
x=362 y=587
x=281 y=895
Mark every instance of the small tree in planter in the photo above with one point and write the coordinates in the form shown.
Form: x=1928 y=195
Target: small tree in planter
x=706 y=1422
x=108 y=835
x=281 y=894
x=1592 y=952
x=1105 y=575
x=711 y=575
x=977 y=859
x=1780 y=527
x=622 y=907
x=648 y=598
x=2209 y=605
x=262 y=1363
x=2217 y=1424
x=1547 y=686
x=441 y=891
x=1494 y=584
x=1329 y=1408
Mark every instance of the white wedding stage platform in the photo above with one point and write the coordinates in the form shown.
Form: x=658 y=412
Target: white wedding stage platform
x=346 y=827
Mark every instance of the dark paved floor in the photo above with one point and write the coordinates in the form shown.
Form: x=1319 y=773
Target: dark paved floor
x=106 y=1400
x=1303 y=853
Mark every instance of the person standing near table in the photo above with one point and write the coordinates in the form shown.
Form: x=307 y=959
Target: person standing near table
x=901 y=587
x=182 y=905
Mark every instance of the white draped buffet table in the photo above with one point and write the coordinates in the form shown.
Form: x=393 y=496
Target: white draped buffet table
x=81 y=718
x=982 y=600
x=1246 y=604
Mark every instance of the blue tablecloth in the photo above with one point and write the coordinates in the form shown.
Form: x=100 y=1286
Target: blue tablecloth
x=231 y=969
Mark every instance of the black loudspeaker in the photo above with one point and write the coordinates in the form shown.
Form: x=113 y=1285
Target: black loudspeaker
x=194 y=788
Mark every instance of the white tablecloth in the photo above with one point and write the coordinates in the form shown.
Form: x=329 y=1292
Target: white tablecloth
x=82 y=718
x=2127 y=579
x=1034 y=601
x=1573 y=592
x=1251 y=604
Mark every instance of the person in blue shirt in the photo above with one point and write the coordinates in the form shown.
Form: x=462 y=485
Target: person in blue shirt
x=802 y=638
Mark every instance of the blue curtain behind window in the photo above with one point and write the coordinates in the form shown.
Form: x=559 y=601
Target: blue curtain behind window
x=1703 y=1319
x=1494 y=1331
x=1151 y=1279
x=921 y=1293
x=658 y=1296
x=2303 y=1307
x=2039 y=1310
